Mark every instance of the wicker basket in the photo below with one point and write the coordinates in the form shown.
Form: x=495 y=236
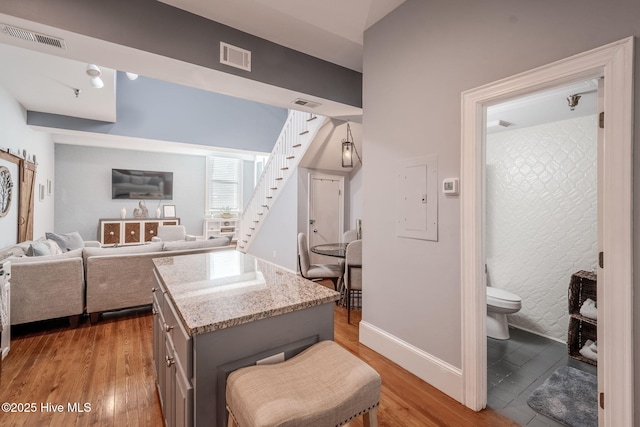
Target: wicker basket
x=583 y=286
x=579 y=332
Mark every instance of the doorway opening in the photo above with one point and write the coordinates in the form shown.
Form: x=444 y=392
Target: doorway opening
x=541 y=210
x=614 y=62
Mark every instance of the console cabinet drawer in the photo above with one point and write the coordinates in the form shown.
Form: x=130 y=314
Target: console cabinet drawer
x=131 y=231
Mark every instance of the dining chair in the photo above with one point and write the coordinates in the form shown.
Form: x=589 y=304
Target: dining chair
x=316 y=271
x=353 y=273
x=349 y=236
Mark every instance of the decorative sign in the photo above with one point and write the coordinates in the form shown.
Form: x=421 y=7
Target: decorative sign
x=6 y=186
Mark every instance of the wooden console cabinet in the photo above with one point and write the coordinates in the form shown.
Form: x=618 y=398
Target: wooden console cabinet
x=131 y=231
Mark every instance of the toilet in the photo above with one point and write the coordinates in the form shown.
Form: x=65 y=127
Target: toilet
x=500 y=303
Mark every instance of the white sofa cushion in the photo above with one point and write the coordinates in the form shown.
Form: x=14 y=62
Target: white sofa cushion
x=123 y=250
x=28 y=259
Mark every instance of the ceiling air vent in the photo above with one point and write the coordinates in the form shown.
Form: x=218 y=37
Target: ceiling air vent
x=23 y=34
x=305 y=103
x=235 y=56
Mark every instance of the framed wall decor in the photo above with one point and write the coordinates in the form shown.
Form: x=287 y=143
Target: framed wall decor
x=6 y=188
x=169 y=211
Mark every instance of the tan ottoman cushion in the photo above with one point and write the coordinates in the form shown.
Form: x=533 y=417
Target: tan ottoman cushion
x=325 y=385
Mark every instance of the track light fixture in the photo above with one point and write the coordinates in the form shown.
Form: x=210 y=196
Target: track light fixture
x=94 y=73
x=131 y=76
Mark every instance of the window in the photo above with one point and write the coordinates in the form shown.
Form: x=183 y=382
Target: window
x=224 y=184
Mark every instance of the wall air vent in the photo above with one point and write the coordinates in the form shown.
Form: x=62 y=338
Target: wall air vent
x=235 y=56
x=305 y=103
x=31 y=36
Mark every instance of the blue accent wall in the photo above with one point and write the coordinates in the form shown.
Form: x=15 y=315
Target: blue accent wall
x=154 y=109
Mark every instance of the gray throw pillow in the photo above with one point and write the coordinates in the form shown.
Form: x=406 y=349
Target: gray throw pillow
x=67 y=242
x=38 y=249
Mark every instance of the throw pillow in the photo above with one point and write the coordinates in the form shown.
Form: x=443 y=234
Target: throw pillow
x=38 y=249
x=67 y=242
x=53 y=247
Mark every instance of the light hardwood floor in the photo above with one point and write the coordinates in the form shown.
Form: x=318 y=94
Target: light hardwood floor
x=109 y=367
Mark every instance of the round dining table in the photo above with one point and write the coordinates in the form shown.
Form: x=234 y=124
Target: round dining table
x=338 y=250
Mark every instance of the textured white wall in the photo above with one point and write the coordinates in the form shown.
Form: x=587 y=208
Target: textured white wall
x=542 y=217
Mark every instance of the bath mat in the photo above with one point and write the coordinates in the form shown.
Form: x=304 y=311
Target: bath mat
x=569 y=396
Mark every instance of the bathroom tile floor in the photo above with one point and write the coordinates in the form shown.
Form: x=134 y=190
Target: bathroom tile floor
x=519 y=365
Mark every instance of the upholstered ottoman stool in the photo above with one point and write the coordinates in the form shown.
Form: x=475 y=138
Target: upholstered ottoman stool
x=324 y=386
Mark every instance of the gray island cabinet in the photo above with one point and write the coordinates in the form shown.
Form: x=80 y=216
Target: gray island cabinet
x=219 y=311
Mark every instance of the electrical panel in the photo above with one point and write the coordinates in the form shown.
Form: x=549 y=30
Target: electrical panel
x=417 y=198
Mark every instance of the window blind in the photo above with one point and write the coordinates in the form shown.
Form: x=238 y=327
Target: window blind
x=224 y=183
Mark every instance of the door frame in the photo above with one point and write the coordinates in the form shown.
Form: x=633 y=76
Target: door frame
x=614 y=62
x=320 y=175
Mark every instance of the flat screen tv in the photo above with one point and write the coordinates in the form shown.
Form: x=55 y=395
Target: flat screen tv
x=135 y=184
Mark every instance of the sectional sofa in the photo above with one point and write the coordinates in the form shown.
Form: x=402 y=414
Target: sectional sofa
x=90 y=279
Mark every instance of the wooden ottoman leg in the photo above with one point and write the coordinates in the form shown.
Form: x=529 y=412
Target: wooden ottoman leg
x=370 y=419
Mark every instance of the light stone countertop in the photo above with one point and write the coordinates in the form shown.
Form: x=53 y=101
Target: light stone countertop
x=217 y=290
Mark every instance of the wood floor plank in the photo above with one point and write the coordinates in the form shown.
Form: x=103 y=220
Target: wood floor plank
x=109 y=365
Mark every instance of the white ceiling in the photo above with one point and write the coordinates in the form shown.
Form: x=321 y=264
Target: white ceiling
x=544 y=107
x=46 y=83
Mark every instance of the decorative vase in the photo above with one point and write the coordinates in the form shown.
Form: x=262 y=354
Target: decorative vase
x=158 y=212
x=123 y=213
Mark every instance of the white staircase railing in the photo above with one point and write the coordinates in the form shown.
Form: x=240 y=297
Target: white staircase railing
x=297 y=134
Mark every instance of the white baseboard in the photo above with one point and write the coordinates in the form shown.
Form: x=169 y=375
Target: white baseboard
x=440 y=374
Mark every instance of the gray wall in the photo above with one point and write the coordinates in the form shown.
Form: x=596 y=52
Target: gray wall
x=277 y=239
x=412 y=108
x=158 y=110
x=17 y=136
x=83 y=187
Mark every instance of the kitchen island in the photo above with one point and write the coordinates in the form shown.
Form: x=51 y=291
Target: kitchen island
x=219 y=311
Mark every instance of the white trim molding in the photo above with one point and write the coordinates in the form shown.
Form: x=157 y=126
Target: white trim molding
x=614 y=62
x=445 y=377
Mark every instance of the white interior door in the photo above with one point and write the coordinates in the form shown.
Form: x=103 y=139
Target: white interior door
x=326 y=212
